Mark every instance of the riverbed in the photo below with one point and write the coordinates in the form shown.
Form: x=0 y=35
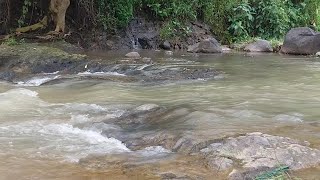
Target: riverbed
x=49 y=130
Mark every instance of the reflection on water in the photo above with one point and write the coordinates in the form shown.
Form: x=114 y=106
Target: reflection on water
x=48 y=129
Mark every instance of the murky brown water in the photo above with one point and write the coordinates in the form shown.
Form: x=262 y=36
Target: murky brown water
x=45 y=130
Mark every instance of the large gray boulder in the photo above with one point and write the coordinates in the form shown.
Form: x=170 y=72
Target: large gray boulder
x=210 y=45
x=259 y=46
x=302 y=40
x=259 y=152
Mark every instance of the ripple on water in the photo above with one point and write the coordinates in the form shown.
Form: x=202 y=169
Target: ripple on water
x=292 y=117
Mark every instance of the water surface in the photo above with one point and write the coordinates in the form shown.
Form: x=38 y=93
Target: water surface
x=46 y=130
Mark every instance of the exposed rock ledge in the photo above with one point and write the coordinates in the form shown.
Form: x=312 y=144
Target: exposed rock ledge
x=21 y=61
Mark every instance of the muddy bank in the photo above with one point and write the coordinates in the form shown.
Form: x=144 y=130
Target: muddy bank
x=28 y=60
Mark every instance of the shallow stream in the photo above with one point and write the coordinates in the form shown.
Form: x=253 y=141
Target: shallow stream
x=46 y=130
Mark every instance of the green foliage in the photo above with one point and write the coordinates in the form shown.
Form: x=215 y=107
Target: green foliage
x=175 y=12
x=230 y=21
x=175 y=9
x=241 y=21
x=276 y=174
x=114 y=14
x=25 y=10
x=174 y=29
x=270 y=18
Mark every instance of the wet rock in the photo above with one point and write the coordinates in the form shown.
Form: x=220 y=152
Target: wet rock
x=226 y=49
x=302 y=40
x=219 y=163
x=134 y=55
x=168 y=176
x=206 y=46
x=147 y=107
x=171 y=176
x=154 y=73
x=166 y=45
x=169 y=53
x=140 y=116
x=164 y=139
x=32 y=58
x=259 y=46
x=7 y=75
x=257 y=150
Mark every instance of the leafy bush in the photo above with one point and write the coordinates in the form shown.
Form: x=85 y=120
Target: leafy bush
x=231 y=20
x=270 y=18
x=114 y=14
x=241 y=21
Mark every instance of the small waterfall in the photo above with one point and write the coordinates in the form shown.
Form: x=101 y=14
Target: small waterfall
x=135 y=43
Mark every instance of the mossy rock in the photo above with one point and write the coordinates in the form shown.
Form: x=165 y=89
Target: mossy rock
x=36 y=58
x=35 y=52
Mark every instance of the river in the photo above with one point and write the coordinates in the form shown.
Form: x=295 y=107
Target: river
x=46 y=131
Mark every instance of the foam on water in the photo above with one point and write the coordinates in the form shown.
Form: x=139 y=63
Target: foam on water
x=153 y=151
x=20 y=104
x=52 y=73
x=100 y=74
x=84 y=107
x=37 y=81
x=80 y=118
x=292 y=117
x=19 y=92
x=65 y=140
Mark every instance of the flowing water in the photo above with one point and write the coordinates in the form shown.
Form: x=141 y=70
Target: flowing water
x=46 y=130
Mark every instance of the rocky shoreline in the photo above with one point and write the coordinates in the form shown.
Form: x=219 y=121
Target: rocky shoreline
x=27 y=60
x=34 y=58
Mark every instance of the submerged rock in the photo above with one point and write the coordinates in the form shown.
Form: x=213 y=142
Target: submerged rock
x=302 y=40
x=169 y=53
x=206 y=46
x=146 y=107
x=139 y=116
x=134 y=55
x=259 y=46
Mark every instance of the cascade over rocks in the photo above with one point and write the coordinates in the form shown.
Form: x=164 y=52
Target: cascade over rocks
x=242 y=156
x=301 y=41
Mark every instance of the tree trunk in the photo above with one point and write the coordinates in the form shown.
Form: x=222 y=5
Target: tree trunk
x=58 y=9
